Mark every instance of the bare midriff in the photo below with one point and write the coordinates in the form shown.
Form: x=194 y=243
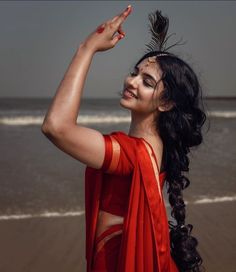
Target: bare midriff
x=106 y=220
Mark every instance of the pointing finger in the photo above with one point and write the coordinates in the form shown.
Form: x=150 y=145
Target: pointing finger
x=123 y=16
x=114 y=18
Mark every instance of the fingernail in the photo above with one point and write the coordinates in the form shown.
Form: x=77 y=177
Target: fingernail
x=129 y=6
x=121 y=37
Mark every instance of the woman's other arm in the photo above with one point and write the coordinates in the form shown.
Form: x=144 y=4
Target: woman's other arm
x=85 y=144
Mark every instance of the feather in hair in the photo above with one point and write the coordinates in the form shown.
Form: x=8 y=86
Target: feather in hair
x=158 y=28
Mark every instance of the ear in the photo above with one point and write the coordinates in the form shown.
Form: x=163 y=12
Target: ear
x=166 y=107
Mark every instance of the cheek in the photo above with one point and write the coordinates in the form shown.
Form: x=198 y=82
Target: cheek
x=147 y=102
x=149 y=97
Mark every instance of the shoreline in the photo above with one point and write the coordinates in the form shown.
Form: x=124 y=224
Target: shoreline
x=58 y=244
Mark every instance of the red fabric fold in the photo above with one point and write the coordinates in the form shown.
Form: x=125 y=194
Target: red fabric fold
x=145 y=244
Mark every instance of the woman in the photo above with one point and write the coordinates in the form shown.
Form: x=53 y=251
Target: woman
x=126 y=221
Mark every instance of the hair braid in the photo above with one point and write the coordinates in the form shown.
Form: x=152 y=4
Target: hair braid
x=183 y=245
x=180 y=129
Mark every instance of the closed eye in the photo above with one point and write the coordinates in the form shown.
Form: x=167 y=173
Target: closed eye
x=145 y=82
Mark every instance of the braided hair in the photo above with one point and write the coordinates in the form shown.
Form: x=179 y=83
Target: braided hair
x=180 y=129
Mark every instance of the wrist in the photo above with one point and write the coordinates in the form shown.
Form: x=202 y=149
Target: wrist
x=86 y=48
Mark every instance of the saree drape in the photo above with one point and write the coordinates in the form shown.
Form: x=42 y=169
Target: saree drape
x=145 y=244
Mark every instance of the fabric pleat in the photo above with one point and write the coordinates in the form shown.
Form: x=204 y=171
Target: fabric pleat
x=145 y=244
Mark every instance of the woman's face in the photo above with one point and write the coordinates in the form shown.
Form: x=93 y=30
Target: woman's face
x=146 y=84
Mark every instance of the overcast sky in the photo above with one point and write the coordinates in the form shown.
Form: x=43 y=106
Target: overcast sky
x=39 y=39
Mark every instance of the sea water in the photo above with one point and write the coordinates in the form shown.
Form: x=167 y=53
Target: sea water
x=38 y=179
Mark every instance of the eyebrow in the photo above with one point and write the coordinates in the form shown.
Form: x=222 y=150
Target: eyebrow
x=145 y=74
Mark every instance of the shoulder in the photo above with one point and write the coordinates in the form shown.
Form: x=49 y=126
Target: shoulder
x=123 y=139
x=120 y=153
x=126 y=142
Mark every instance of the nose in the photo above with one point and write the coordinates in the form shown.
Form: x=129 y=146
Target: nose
x=132 y=81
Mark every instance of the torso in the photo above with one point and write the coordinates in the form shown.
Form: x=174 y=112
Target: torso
x=105 y=219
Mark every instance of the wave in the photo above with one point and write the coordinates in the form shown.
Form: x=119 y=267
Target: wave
x=45 y=214
x=84 y=119
x=224 y=114
x=215 y=200
x=93 y=119
x=203 y=200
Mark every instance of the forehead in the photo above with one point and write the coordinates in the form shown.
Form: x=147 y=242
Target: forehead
x=150 y=65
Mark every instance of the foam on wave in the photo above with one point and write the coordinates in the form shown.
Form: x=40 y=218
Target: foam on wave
x=92 y=119
x=203 y=200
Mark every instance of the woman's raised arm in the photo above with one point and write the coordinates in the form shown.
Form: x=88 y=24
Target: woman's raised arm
x=59 y=125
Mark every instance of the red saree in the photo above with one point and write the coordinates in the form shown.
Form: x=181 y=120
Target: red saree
x=145 y=244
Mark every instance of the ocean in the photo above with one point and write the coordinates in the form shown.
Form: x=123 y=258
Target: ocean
x=37 y=179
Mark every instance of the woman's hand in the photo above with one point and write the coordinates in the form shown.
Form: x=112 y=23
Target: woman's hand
x=104 y=38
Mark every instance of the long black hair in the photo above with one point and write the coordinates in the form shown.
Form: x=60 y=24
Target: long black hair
x=180 y=129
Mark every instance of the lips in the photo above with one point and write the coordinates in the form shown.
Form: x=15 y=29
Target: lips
x=130 y=92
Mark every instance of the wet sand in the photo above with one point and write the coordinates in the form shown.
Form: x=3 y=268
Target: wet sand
x=214 y=226
x=43 y=244
x=58 y=244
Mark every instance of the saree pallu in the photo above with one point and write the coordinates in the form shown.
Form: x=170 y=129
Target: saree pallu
x=107 y=247
x=145 y=244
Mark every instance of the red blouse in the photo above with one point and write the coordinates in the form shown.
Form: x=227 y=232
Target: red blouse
x=116 y=185
x=143 y=245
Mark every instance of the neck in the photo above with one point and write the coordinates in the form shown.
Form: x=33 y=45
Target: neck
x=143 y=126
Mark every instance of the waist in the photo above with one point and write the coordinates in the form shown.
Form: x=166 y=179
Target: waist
x=107 y=220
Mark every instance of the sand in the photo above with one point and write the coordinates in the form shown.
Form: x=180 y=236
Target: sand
x=214 y=226
x=43 y=245
x=58 y=244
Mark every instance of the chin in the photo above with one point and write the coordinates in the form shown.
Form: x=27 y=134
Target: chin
x=124 y=103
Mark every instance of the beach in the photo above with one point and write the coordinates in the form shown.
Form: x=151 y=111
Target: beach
x=58 y=244
x=42 y=220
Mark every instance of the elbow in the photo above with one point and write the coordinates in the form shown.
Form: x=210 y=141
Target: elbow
x=46 y=129
x=50 y=129
x=54 y=128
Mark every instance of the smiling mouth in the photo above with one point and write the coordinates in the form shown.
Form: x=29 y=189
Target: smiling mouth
x=129 y=93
